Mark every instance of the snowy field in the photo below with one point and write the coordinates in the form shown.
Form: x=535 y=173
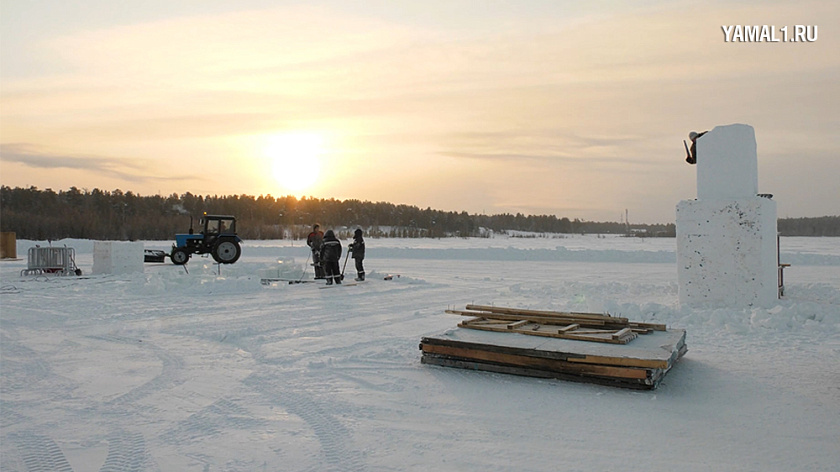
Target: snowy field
x=175 y=371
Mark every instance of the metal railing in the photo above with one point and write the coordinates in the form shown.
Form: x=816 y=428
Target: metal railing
x=51 y=260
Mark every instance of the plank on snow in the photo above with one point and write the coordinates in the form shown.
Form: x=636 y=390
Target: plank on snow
x=638 y=384
x=639 y=327
x=622 y=336
x=538 y=363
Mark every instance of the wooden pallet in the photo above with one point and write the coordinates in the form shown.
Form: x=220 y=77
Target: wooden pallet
x=568 y=331
x=585 y=320
x=551 y=346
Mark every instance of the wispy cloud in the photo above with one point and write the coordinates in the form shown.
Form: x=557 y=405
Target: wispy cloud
x=125 y=169
x=541 y=147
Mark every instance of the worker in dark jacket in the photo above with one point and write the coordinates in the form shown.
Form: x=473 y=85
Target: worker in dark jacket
x=330 y=255
x=314 y=241
x=357 y=247
x=691 y=154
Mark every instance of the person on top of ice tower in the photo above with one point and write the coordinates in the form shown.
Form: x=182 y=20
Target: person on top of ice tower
x=357 y=247
x=330 y=255
x=314 y=241
x=691 y=154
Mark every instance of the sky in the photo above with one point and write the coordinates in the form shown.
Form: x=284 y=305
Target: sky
x=575 y=109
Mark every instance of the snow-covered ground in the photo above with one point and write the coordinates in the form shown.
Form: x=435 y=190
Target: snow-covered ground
x=175 y=371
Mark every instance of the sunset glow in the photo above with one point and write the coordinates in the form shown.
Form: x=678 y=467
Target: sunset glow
x=575 y=109
x=295 y=160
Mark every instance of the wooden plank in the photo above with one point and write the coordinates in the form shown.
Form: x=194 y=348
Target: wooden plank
x=593 y=331
x=444 y=361
x=622 y=361
x=531 y=351
x=571 y=327
x=606 y=322
x=607 y=319
x=623 y=333
x=534 y=329
x=605 y=338
x=533 y=318
x=647 y=326
x=486 y=321
x=545 y=364
x=569 y=356
x=563 y=314
x=517 y=324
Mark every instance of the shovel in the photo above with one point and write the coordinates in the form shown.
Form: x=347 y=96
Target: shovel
x=345 y=265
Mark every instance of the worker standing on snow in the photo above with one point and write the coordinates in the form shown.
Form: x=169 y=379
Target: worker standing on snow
x=357 y=247
x=330 y=255
x=314 y=241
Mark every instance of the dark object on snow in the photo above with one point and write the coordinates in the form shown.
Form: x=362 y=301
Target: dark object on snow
x=154 y=255
x=314 y=241
x=357 y=247
x=218 y=238
x=330 y=255
x=269 y=281
x=345 y=265
x=691 y=154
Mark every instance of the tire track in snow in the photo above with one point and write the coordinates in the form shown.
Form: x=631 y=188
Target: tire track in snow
x=40 y=453
x=337 y=452
x=220 y=416
x=8 y=416
x=21 y=366
x=169 y=376
x=127 y=453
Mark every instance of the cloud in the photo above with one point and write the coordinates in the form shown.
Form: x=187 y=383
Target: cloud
x=123 y=168
x=544 y=147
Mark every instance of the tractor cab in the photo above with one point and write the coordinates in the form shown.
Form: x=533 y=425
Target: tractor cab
x=217 y=237
x=216 y=226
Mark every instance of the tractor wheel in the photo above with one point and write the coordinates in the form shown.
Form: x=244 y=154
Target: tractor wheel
x=179 y=256
x=226 y=251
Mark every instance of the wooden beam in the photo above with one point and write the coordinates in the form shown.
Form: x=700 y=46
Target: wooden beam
x=492 y=311
x=653 y=326
x=535 y=329
x=542 y=363
x=565 y=355
x=626 y=332
x=445 y=361
x=567 y=314
x=533 y=318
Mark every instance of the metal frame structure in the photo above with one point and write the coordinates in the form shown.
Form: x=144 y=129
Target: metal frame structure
x=51 y=261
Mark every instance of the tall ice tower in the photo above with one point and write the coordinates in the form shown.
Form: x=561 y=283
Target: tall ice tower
x=727 y=237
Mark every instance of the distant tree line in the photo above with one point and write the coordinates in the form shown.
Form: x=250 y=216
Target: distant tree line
x=820 y=226
x=116 y=215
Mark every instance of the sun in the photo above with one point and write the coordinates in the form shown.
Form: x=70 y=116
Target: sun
x=295 y=159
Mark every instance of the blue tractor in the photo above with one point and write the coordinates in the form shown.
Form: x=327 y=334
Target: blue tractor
x=217 y=238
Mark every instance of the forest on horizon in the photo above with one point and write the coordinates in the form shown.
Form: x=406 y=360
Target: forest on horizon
x=96 y=214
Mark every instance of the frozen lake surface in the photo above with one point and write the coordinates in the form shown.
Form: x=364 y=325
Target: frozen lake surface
x=168 y=370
